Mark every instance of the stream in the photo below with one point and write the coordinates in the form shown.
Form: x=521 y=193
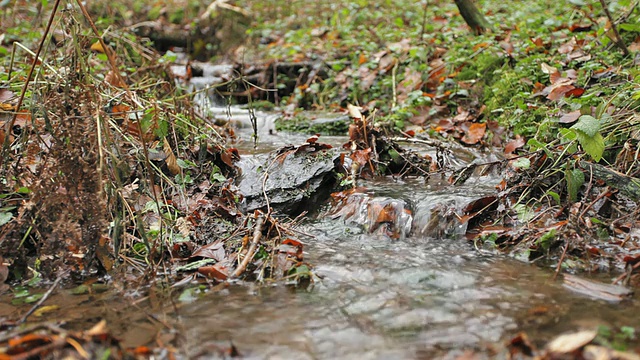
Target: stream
x=429 y=295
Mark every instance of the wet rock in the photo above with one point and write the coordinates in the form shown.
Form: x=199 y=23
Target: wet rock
x=379 y=215
x=291 y=180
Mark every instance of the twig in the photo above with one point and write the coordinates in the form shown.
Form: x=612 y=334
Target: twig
x=627 y=274
x=618 y=40
x=58 y=342
x=564 y=252
x=424 y=19
x=422 y=141
x=42 y=299
x=5 y=144
x=393 y=80
x=257 y=234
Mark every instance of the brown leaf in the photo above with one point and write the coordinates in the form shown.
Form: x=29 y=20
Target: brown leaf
x=580 y=27
x=475 y=133
x=215 y=251
x=6 y=95
x=115 y=80
x=557 y=92
x=313 y=139
x=171 y=160
x=361 y=157
x=514 y=144
x=570 y=118
x=218 y=272
x=521 y=344
x=292 y=242
x=577 y=92
x=229 y=156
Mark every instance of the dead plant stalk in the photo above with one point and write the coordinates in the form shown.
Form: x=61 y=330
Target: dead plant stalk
x=257 y=234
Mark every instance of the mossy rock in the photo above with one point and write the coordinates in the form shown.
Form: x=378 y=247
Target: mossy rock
x=323 y=124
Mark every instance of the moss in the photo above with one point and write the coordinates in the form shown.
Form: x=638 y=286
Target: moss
x=305 y=125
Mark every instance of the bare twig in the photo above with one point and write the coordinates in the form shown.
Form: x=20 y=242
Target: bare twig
x=42 y=299
x=257 y=234
x=5 y=144
x=618 y=39
x=564 y=253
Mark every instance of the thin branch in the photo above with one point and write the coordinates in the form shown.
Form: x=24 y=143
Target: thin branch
x=42 y=299
x=257 y=234
x=618 y=40
x=5 y=145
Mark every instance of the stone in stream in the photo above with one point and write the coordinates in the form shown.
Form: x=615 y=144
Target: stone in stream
x=293 y=179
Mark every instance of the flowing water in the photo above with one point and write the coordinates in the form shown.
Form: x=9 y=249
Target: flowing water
x=430 y=294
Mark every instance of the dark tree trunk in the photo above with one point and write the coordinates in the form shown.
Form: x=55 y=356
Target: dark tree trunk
x=472 y=16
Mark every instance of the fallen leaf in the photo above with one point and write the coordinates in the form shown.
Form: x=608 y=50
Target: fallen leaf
x=217 y=271
x=171 y=160
x=548 y=69
x=568 y=343
x=558 y=91
x=97 y=47
x=354 y=111
x=215 y=251
x=475 y=133
x=521 y=344
x=514 y=144
x=6 y=95
x=580 y=27
x=577 y=92
x=570 y=118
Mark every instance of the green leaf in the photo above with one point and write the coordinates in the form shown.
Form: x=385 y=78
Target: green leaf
x=23 y=190
x=545 y=240
x=568 y=134
x=555 y=196
x=5 y=217
x=629 y=27
x=594 y=146
x=587 y=124
x=522 y=163
x=575 y=179
x=588 y=132
x=537 y=145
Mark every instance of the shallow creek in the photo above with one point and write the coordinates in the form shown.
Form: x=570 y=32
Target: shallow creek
x=431 y=294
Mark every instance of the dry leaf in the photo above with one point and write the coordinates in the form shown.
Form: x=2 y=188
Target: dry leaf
x=171 y=160
x=97 y=47
x=354 y=111
x=475 y=133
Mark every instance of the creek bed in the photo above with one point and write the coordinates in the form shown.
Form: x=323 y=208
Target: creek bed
x=429 y=295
